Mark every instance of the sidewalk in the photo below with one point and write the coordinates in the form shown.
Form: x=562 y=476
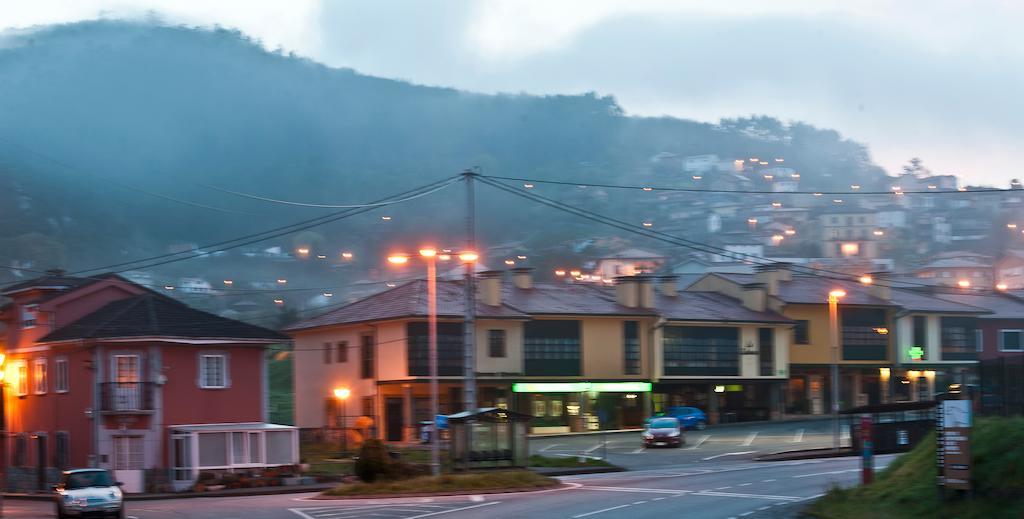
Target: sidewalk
x=233 y=492
x=789 y=419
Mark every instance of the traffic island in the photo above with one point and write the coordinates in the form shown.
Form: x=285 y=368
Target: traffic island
x=570 y=465
x=907 y=488
x=446 y=485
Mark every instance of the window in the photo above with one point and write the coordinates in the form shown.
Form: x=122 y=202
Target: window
x=61 y=455
x=128 y=452
x=860 y=334
x=958 y=336
x=701 y=350
x=801 y=332
x=213 y=371
x=450 y=352
x=21 y=450
x=368 y=406
x=60 y=368
x=552 y=348
x=766 y=343
x=921 y=335
x=979 y=340
x=245 y=448
x=22 y=370
x=631 y=348
x=341 y=352
x=496 y=343
x=39 y=376
x=29 y=314
x=328 y=354
x=366 y=356
x=1010 y=340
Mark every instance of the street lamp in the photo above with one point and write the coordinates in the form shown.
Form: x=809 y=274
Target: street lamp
x=430 y=255
x=833 y=322
x=342 y=394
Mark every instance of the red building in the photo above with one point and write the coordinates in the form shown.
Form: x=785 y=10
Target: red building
x=103 y=372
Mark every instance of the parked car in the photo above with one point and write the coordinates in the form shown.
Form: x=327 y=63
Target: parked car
x=663 y=431
x=689 y=417
x=89 y=492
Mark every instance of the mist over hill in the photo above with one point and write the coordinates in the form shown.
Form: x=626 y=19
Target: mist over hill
x=111 y=133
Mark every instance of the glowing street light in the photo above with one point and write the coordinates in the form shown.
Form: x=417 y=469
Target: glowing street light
x=342 y=394
x=168 y=287
x=520 y=257
x=528 y=186
x=398 y=259
x=574 y=273
x=559 y=272
x=833 y=321
x=321 y=256
x=697 y=177
x=1001 y=287
x=878 y=232
x=228 y=282
x=963 y=283
x=790 y=232
x=328 y=294
x=282 y=281
x=776 y=204
x=510 y=262
x=444 y=257
x=303 y=251
x=1011 y=226
x=866 y=279
x=468 y=256
x=346 y=255
x=648 y=224
x=648 y=189
x=777 y=239
x=279 y=301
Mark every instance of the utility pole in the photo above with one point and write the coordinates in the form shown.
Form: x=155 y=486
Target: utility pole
x=469 y=323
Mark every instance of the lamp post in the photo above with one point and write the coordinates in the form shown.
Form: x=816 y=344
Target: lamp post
x=430 y=255
x=833 y=326
x=342 y=394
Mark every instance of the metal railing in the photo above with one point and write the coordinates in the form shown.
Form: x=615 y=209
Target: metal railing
x=126 y=397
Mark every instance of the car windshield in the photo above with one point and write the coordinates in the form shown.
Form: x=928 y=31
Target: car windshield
x=664 y=423
x=91 y=478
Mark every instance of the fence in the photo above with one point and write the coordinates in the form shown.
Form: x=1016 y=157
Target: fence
x=1001 y=386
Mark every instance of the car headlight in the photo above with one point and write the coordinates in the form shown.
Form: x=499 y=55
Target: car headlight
x=673 y=434
x=647 y=436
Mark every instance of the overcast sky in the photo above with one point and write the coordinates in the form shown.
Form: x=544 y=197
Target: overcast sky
x=942 y=80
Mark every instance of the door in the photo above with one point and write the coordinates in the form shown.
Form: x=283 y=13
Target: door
x=40 y=461
x=129 y=462
x=127 y=390
x=394 y=420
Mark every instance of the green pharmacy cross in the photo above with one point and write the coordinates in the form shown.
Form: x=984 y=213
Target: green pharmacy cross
x=916 y=353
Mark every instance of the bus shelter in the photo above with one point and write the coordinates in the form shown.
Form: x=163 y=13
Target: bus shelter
x=499 y=438
x=896 y=427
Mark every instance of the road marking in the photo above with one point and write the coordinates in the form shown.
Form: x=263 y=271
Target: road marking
x=634 y=489
x=595 y=447
x=764 y=508
x=815 y=496
x=638 y=451
x=723 y=488
x=549 y=447
x=799 y=436
x=639 y=502
x=599 y=511
x=454 y=510
x=744 y=514
x=767 y=480
x=749 y=440
x=748 y=496
x=727 y=454
x=699 y=442
x=744 y=484
x=826 y=473
x=658 y=499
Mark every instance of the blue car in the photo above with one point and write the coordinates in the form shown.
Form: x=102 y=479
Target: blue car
x=689 y=417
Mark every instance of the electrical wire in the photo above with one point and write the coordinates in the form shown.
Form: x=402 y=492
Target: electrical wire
x=329 y=206
x=749 y=191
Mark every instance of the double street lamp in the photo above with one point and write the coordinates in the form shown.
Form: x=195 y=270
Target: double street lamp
x=833 y=322
x=430 y=255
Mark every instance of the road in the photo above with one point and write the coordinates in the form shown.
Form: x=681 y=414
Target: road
x=713 y=478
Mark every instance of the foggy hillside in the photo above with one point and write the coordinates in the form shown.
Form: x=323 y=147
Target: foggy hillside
x=102 y=122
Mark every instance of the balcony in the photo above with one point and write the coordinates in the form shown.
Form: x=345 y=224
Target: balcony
x=126 y=397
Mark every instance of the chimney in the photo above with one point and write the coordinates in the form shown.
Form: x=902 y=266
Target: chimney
x=626 y=291
x=770 y=275
x=522 y=277
x=669 y=285
x=645 y=291
x=880 y=286
x=755 y=296
x=490 y=287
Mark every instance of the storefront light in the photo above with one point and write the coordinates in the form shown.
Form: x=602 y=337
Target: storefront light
x=719 y=389
x=580 y=387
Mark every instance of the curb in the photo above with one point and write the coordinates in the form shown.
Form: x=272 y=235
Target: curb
x=813 y=418
x=569 y=471
x=809 y=454
x=263 y=491
x=559 y=486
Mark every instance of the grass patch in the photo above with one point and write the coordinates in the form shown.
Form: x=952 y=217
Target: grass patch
x=503 y=480
x=566 y=462
x=907 y=487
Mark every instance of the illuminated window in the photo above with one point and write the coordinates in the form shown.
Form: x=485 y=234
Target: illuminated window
x=29 y=314
x=39 y=376
x=850 y=249
x=22 y=371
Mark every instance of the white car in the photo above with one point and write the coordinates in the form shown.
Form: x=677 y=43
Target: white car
x=89 y=492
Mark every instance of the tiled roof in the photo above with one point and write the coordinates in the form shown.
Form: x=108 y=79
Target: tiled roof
x=955 y=263
x=566 y=299
x=153 y=315
x=711 y=306
x=1000 y=306
x=915 y=301
x=406 y=300
x=815 y=289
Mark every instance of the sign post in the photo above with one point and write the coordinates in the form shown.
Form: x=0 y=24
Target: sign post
x=953 y=421
x=867 y=447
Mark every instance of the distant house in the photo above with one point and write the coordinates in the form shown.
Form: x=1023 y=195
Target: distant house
x=628 y=262
x=848 y=232
x=102 y=372
x=976 y=272
x=1010 y=269
x=194 y=286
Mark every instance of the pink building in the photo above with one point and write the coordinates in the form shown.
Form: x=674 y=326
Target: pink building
x=103 y=372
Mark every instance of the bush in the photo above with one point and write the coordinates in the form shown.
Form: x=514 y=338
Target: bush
x=374 y=462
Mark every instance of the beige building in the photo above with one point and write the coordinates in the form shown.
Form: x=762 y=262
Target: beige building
x=849 y=232
x=574 y=356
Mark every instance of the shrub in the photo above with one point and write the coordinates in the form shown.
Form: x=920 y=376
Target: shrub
x=374 y=462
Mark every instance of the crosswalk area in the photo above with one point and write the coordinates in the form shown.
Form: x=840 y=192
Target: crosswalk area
x=406 y=510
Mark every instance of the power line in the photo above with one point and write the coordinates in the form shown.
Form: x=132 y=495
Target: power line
x=272 y=233
x=898 y=192
x=702 y=247
x=302 y=204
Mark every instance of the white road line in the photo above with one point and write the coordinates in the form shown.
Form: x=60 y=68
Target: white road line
x=748 y=496
x=749 y=440
x=639 y=502
x=727 y=454
x=454 y=510
x=799 y=436
x=300 y=513
x=658 y=499
x=744 y=484
x=767 y=480
x=595 y=447
x=764 y=508
x=599 y=511
x=549 y=447
x=744 y=514
x=699 y=442
x=826 y=473
x=815 y=496
x=723 y=488
x=638 y=451
x=634 y=489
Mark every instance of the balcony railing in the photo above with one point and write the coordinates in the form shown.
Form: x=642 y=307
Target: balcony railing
x=126 y=397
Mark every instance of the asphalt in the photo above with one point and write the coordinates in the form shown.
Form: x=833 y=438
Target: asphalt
x=713 y=476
